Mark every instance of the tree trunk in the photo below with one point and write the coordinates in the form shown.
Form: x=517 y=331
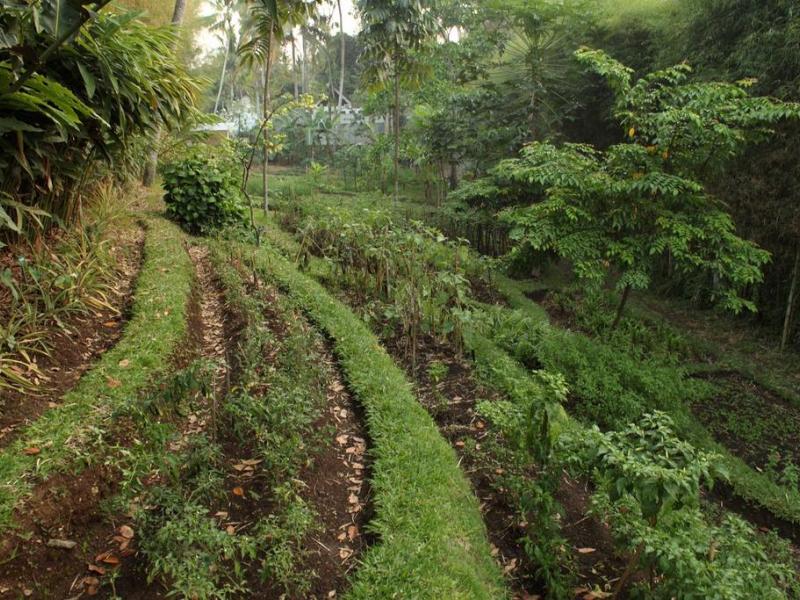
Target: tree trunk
x=396 y=132
x=787 y=321
x=294 y=69
x=453 y=175
x=343 y=49
x=149 y=176
x=222 y=77
x=303 y=69
x=267 y=103
x=621 y=308
x=179 y=12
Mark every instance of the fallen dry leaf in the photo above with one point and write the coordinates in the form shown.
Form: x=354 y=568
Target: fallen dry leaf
x=126 y=532
x=353 y=499
x=352 y=532
x=113 y=383
x=510 y=566
x=124 y=363
x=341 y=439
x=107 y=558
x=341 y=537
x=31 y=451
x=237 y=491
x=65 y=544
x=345 y=553
x=230 y=529
x=96 y=569
x=586 y=550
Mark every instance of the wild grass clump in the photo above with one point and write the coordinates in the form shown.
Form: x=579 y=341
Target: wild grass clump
x=50 y=283
x=157 y=325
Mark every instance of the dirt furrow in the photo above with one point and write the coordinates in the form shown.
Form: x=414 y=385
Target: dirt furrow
x=67 y=544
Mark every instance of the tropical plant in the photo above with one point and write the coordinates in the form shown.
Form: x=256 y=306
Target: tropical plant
x=394 y=32
x=620 y=211
x=202 y=190
x=68 y=112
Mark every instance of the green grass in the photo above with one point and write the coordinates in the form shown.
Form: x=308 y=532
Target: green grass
x=433 y=542
x=613 y=388
x=611 y=381
x=157 y=326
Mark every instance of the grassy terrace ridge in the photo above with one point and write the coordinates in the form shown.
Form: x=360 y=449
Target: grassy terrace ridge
x=157 y=325
x=433 y=542
x=747 y=483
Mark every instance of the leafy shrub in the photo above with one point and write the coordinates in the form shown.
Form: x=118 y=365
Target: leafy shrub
x=82 y=109
x=202 y=191
x=648 y=489
x=610 y=387
x=419 y=279
x=529 y=423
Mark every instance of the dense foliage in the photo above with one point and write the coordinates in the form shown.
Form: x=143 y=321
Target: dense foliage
x=78 y=100
x=621 y=212
x=202 y=190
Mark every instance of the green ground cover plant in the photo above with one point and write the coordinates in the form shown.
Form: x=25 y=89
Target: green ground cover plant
x=152 y=335
x=421 y=498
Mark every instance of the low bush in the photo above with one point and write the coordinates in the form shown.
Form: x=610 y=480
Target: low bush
x=202 y=190
x=608 y=386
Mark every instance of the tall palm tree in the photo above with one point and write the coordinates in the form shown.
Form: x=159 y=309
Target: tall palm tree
x=226 y=32
x=267 y=24
x=342 y=55
x=394 y=32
